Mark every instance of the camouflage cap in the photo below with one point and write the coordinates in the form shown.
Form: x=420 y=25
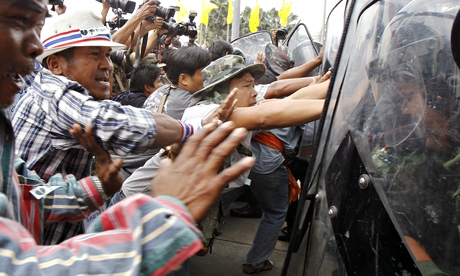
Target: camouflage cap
x=223 y=69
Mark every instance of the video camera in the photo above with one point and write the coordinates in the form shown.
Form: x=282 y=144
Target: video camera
x=53 y=3
x=165 y=13
x=125 y=5
x=183 y=28
x=56 y=2
x=118 y=23
x=281 y=33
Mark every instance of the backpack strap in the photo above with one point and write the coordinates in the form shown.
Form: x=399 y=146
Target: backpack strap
x=163 y=100
x=120 y=83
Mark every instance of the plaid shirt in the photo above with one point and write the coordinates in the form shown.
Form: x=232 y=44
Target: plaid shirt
x=139 y=235
x=49 y=109
x=42 y=120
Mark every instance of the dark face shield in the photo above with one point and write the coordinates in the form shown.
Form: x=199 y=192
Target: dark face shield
x=399 y=92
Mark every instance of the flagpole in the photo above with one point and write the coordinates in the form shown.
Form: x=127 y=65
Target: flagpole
x=236 y=20
x=205 y=36
x=201 y=34
x=324 y=22
x=228 y=32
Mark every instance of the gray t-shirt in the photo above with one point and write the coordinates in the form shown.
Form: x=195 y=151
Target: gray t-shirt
x=140 y=179
x=176 y=102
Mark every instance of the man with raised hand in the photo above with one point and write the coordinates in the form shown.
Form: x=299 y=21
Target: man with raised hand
x=148 y=235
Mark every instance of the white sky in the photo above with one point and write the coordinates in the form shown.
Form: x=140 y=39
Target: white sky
x=309 y=11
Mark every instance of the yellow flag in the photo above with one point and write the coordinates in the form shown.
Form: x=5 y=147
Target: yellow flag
x=254 y=18
x=182 y=11
x=230 y=12
x=206 y=8
x=284 y=12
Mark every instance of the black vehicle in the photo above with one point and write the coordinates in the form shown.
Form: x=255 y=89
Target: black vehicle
x=382 y=196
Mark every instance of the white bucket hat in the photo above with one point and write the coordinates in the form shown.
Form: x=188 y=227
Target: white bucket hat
x=75 y=28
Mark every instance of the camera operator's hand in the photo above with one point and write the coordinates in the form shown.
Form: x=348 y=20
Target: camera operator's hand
x=161 y=32
x=168 y=38
x=105 y=5
x=147 y=26
x=105 y=10
x=274 y=38
x=146 y=10
x=60 y=9
x=158 y=22
x=123 y=35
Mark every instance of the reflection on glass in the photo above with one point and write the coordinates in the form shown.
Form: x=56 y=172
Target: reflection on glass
x=413 y=131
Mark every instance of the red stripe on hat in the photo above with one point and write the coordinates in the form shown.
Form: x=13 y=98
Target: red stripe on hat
x=79 y=41
x=60 y=34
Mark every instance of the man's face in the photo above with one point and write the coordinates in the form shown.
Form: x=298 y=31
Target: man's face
x=246 y=95
x=20 y=44
x=195 y=82
x=157 y=83
x=91 y=67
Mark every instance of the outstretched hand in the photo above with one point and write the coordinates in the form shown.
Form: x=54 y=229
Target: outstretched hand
x=192 y=177
x=325 y=77
x=260 y=58
x=223 y=112
x=108 y=170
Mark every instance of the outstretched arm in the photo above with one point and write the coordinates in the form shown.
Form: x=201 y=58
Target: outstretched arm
x=304 y=69
x=285 y=87
x=317 y=91
x=277 y=114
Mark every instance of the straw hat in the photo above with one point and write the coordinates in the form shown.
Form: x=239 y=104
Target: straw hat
x=76 y=28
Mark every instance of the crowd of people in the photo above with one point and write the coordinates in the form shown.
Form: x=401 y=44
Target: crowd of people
x=99 y=123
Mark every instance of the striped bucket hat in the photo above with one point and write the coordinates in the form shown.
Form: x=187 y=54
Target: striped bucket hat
x=76 y=28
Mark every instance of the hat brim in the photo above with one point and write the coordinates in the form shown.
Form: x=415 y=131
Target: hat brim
x=257 y=71
x=114 y=45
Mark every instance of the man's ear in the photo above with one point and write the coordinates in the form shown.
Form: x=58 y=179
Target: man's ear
x=55 y=64
x=184 y=80
x=148 y=89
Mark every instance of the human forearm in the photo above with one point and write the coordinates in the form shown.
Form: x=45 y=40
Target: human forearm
x=286 y=87
x=301 y=70
x=316 y=91
x=277 y=114
x=104 y=13
x=170 y=130
x=123 y=35
x=151 y=42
